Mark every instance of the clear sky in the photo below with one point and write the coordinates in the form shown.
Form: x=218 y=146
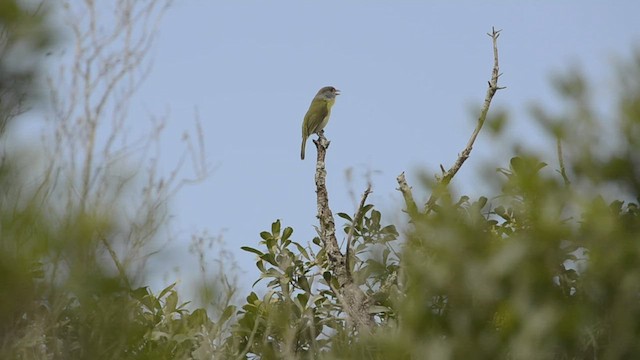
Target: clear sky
x=412 y=75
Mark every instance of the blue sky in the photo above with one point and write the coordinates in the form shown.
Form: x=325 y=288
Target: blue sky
x=412 y=76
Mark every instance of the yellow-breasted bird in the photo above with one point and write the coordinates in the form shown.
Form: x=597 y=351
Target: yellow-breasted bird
x=318 y=114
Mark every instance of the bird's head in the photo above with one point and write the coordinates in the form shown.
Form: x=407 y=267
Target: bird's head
x=328 y=93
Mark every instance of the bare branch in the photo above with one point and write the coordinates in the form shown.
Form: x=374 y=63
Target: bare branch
x=491 y=91
x=354 y=301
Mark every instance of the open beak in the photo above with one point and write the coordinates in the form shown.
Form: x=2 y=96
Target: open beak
x=337 y=92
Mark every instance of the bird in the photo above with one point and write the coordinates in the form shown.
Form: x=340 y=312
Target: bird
x=318 y=114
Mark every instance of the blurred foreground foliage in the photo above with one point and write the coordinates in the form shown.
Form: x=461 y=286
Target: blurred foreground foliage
x=63 y=293
x=547 y=267
x=24 y=38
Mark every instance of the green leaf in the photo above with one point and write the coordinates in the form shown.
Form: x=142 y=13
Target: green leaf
x=252 y=250
x=166 y=290
x=265 y=235
x=463 y=200
x=198 y=318
x=390 y=229
x=366 y=208
x=151 y=303
x=500 y=211
x=303 y=298
x=271 y=244
x=303 y=283
x=287 y=233
x=275 y=228
x=140 y=292
x=526 y=167
x=257 y=281
x=252 y=298
x=345 y=216
x=516 y=163
x=327 y=277
x=270 y=259
x=302 y=250
x=272 y=273
x=260 y=266
x=171 y=303
x=375 y=218
x=183 y=305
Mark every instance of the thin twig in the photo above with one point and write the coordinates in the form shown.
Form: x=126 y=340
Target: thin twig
x=121 y=270
x=563 y=172
x=491 y=91
x=356 y=220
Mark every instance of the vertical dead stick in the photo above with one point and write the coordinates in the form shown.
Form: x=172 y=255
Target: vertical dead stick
x=405 y=189
x=354 y=301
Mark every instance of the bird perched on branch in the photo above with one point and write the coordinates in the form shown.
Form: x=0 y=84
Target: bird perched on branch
x=318 y=114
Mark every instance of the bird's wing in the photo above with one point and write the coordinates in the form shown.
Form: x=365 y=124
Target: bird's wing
x=316 y=114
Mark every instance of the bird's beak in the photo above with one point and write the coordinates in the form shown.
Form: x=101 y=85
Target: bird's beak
x=337 y=92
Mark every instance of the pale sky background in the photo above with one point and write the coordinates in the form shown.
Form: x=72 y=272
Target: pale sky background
x=412 y=76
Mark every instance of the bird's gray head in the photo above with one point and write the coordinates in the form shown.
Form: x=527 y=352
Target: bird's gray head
x=328 y=92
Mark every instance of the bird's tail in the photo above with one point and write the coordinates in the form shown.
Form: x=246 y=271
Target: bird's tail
x=304 y=144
